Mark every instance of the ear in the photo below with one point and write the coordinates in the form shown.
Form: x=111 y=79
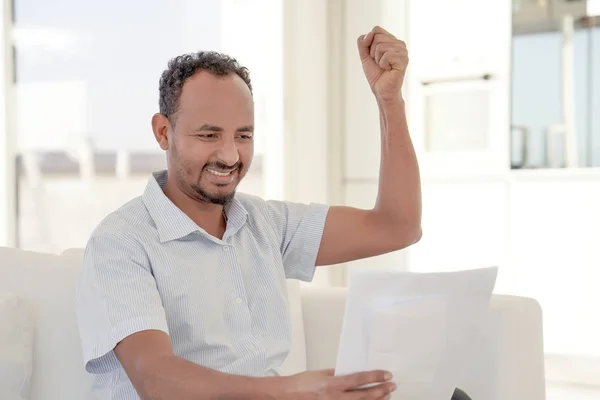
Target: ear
x=161 y=127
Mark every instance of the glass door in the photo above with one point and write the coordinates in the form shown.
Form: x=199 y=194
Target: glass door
x=555 y=86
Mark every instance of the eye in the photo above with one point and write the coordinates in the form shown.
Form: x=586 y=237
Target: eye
x=207 y=135
x=244 y=135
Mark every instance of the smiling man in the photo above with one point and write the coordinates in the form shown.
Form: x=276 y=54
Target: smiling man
x=183 y=290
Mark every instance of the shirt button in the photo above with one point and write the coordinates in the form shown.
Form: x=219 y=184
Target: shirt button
x=251 y=347
x=238 y=300
x=225 y=248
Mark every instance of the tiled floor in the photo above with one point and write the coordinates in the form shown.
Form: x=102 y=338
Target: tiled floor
x=572 y=392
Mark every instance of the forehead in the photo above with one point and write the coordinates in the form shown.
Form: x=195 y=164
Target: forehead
x=217 y=96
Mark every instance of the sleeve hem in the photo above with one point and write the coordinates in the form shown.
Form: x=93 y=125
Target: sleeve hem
x=310 y=228
x=101 y=356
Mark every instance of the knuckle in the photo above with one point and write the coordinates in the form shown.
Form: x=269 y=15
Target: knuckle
x=381 y=375
x=358 y=378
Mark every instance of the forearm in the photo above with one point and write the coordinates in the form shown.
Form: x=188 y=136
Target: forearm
x=173 y=378
x=399 y=196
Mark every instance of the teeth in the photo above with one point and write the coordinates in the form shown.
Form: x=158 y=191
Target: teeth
x=219 y=173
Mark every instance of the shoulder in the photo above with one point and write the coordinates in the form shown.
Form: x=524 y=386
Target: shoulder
x=252 y=204
x=127 y=226
x=263 y=211
x=278 y=212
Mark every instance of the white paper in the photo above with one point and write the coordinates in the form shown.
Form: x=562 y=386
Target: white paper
x=419 y=326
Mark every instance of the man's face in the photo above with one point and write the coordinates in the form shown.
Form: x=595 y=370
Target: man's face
x=211 y=146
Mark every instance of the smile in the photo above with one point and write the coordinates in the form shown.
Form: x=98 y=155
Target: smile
x=218 y=173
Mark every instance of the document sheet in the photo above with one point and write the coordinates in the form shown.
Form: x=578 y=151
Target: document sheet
x=419 y=326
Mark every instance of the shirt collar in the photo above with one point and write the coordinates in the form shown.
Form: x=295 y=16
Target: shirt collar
x=172 y=223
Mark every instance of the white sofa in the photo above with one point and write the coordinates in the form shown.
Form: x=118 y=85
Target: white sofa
x=511 y=365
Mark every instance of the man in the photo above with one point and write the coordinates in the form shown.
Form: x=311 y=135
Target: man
x=183 y=290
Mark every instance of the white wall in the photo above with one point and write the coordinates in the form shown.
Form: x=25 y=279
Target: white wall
x=7 y=144
x=252 y=32
x=305 y=108
x=360 y=121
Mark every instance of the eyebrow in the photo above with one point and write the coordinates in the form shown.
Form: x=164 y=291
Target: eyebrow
x=214 y=128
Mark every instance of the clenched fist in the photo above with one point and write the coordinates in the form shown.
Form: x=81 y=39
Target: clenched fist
x=384 y=60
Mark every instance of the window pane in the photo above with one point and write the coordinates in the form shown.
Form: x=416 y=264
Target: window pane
x=536 y=97
x=87 y=86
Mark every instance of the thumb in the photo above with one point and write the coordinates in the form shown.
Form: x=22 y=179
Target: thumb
x=364 y=46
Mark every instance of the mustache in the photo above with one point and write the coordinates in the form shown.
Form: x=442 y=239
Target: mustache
x=217 y=165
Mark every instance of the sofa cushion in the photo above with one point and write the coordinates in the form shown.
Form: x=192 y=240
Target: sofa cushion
x=47 y=283
x=16 y=347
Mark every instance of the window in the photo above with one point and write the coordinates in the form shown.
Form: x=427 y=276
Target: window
x=87 y=85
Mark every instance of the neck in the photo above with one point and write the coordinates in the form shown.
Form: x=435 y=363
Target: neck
x=207 y=216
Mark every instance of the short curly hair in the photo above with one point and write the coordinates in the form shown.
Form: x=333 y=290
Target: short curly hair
x=182 y=67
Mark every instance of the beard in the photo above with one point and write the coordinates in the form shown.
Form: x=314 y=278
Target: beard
x=213 y=198
x=199 y=192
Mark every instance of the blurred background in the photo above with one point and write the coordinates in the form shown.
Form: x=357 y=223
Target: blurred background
x=504 y=109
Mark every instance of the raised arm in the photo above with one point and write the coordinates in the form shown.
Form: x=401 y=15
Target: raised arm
x=395 y=221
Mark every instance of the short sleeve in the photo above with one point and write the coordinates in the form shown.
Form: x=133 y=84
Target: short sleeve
x=116 y=297
x=300 y=228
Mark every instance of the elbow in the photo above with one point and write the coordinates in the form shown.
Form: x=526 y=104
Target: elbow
x=398 y=232
x=412 y=236
x=419 y=235
x=405 y=234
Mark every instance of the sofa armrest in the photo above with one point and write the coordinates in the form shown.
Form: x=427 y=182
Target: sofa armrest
x=510 y=358
x=511 y=346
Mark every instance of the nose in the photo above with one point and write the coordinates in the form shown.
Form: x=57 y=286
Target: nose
x=228 y=152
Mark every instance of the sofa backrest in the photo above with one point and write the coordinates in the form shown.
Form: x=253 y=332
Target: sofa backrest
x=47 y=282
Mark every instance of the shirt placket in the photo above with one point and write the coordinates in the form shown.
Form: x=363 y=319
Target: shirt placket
x=242 y=326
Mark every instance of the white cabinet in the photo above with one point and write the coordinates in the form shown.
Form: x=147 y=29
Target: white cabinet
x=459 y=36
x=464 y=226
x=458 y=85
x=554 y=256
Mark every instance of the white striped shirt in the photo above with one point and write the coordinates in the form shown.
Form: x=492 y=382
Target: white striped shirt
x=222 y=302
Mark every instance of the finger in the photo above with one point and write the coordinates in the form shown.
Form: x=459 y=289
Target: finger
x=329 y=372
x=379 y=29
x=381 y=49
x=358 y=379
x=374 y=392
x=393 y=60
x=379 y=39
x=364 y=43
